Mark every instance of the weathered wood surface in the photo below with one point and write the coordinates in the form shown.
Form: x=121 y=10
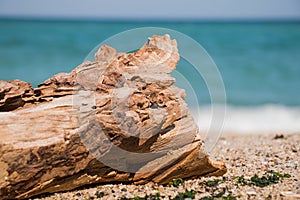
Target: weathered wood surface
x=117 y=119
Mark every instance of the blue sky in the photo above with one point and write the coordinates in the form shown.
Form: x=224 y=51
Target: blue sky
x=153 y=9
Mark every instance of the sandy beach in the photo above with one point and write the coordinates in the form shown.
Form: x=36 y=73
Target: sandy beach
x=106 y=100
x=273 y=158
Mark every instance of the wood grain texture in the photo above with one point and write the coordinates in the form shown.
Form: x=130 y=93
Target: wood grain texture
x=116 y=119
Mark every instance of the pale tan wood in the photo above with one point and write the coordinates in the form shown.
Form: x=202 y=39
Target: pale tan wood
x=117 y=119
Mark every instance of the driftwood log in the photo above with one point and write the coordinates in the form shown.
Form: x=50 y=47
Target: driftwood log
x=116 y=119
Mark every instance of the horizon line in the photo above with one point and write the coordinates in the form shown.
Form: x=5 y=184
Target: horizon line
x=149 y=20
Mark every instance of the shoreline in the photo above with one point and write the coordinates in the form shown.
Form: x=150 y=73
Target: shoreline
x=245 y=155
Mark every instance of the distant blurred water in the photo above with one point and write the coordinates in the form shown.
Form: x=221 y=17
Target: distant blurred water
x=259 y=62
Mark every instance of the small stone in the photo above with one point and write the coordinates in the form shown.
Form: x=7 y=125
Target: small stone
x=278 y=136
x=111 y=174
x=290 y=194
x=251 y=192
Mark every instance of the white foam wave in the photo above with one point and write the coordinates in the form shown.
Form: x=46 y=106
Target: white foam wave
x=250 y=120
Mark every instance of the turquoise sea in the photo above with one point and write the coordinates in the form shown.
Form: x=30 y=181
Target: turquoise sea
x=259 y=61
